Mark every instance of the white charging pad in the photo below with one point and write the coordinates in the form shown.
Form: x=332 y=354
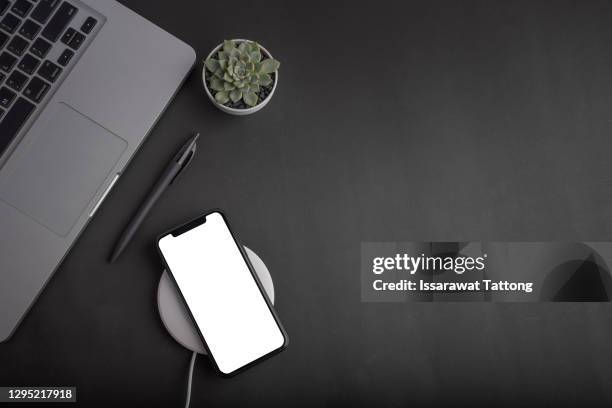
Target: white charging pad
x=175 y=317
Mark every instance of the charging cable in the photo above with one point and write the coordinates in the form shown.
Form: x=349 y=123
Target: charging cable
x=190 y=378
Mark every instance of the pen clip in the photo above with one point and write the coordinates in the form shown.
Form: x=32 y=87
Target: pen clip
x=187 y=157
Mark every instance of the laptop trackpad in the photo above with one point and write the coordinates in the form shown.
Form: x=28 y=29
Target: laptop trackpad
x=55 y=178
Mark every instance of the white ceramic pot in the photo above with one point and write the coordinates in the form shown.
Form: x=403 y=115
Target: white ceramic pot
x=234 y=111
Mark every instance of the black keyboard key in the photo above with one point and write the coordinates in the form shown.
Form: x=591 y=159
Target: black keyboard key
x=3 y=39
x=88 y=25
x=28 y=64
x=7 y=61
x=17 y=45
x=29 y=29
x=65 y=58
x=36 y=89
x=40 y=48
x=43 y=10
x=68 y=35
x=76 y=41
x=59 y=21
x=10 y=23
x=21 y=8
x=49 y=71
x=13 y=121
x=16 y=80
x=4 y=4
x=6 y=97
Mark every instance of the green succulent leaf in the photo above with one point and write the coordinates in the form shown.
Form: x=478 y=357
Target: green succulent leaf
x=228 y=87
x=255 y=56
x=235 y=95
x=212 y=64
x=243 y=47
x=222 y=55
x=228 y=46
x=265 y=79
x=268 y=66
x=217 y=84
x=251 y=88
x=250 y=98
x=222 y=97
x=227 y=77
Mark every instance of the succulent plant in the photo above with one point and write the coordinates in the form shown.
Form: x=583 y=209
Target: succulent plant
x=238 y=71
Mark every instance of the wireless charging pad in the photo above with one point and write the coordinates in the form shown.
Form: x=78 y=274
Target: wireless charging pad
x=175 y=317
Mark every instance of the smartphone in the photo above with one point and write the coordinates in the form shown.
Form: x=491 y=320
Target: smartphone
x=228 y=305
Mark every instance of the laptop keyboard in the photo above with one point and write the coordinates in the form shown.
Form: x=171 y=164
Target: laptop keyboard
x=39 y=40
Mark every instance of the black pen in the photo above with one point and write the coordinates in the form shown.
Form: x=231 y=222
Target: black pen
x=179 y=162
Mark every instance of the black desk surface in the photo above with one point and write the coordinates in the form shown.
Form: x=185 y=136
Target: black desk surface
x=430 y=120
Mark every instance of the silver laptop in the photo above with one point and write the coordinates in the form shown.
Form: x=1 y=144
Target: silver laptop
x=82 y=82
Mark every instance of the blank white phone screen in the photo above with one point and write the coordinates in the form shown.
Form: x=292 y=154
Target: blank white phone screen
x=222 y=295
